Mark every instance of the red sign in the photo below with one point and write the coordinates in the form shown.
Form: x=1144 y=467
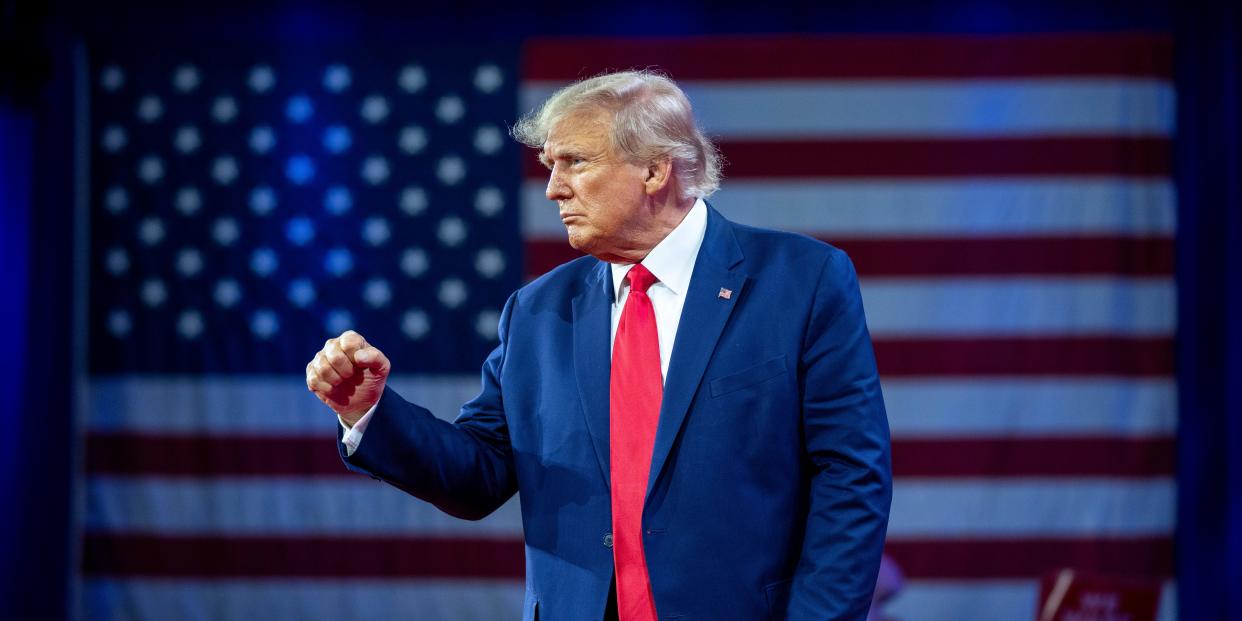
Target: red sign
x=1069 y=595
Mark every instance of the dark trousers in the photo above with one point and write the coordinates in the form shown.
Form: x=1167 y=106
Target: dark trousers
x=610 y=611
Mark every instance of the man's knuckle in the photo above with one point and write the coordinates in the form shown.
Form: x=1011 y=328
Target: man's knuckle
x=352 y=341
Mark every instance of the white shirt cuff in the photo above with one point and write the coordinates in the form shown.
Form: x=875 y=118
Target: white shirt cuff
x=353 y=436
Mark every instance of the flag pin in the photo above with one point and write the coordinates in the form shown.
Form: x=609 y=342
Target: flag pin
x=725 y=293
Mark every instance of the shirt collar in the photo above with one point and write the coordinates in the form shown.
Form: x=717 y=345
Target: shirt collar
x=672 y=260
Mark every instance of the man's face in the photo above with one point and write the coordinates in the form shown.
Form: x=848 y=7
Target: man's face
x=601 y=195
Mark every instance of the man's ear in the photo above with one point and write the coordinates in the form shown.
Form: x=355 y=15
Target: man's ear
x=659 y=173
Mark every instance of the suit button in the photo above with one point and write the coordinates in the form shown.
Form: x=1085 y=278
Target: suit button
x=608 y=540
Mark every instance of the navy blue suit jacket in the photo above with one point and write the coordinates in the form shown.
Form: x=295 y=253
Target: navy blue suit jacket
x=770 y=479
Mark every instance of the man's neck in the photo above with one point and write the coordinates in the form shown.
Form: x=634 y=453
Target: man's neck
x=667 y=215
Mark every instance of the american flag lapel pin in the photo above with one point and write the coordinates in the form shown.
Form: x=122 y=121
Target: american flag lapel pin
x=725 y=293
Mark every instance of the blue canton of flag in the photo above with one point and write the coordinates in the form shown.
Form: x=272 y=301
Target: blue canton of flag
x=247 y=206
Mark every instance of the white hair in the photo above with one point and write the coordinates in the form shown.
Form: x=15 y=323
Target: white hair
x=652 y=119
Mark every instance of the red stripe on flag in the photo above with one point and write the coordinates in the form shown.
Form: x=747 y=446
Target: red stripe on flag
x=1111 y=155
x=212 y=456
x=988 y=256
x=1129 y=156
x=985 y=256
x=855 y=57
x=1149 y=557
x=168 y=556
x=131 y=454
x=1035 y=355
x=1035 y=457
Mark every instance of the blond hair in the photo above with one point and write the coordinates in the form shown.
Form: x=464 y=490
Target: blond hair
x=652 y=119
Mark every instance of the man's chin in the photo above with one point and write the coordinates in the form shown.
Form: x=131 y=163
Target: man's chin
x=578 y=241
x=587 y=245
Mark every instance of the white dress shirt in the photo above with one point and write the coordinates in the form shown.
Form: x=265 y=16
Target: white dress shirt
x=671 y=262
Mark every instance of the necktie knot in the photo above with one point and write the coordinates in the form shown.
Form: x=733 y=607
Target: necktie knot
x=640 y=278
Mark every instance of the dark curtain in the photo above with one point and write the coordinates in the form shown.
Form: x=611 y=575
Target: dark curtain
x=36 y=375
x=36 y=305
x=1209 y=278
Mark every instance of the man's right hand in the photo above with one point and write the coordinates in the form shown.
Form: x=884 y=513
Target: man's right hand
x=348 y=375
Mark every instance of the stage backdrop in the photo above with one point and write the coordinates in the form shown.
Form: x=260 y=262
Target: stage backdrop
x=1006 y=200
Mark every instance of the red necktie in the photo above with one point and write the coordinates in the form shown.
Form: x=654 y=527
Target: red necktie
x=635 y=390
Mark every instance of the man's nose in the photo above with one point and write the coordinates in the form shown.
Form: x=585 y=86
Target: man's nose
x=557 y=189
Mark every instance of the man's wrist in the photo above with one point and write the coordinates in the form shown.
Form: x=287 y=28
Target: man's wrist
x=353 y=433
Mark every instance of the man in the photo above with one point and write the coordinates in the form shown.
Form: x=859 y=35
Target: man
x=692 y=413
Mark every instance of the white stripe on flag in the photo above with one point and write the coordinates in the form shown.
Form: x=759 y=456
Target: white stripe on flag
x=1042 y=407
x=947 y=508
x=1019 y=306
x=240 y=404
x=924 y=208
x=304 y=600
x=1008 y=407
x=922 y=507
x=345 y=506
x=906 y=108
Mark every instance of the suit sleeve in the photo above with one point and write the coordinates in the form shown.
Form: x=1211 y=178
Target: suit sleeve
x=465 y=468
x=847 y=444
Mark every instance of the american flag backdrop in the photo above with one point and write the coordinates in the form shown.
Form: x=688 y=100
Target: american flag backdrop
x=1006 y=199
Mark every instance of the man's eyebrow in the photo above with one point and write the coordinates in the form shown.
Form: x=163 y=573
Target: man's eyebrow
x=547 y=155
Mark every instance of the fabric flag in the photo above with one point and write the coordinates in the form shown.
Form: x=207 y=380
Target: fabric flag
x=1006 y=199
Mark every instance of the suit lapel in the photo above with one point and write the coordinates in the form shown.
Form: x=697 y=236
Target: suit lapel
x=592 y=359
x=703 y=317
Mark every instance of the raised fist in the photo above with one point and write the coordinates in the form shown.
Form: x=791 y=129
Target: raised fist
x=348 y=374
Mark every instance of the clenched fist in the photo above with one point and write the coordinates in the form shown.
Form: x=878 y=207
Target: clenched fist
x=348 y=375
